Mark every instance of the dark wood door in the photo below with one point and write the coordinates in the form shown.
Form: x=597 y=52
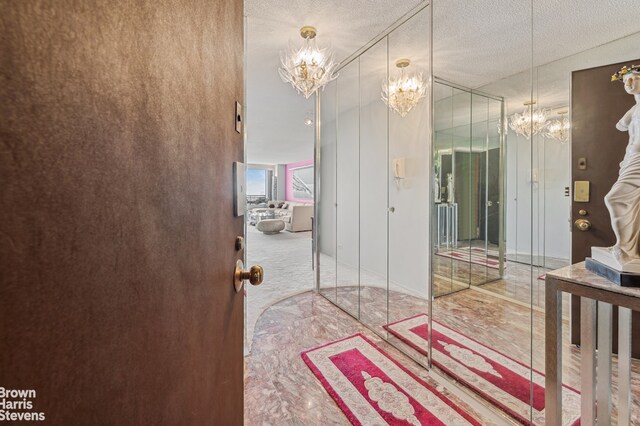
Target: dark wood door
x=493 y=196
x=469 y=196
x=117 y=229
x=596 y=106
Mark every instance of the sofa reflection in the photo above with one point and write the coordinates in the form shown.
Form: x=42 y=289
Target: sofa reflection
x=295 y=215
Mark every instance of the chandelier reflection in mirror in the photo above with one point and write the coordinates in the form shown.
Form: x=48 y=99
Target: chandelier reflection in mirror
x=403 y=92
x=559 y=129
x=308 y=68
x=308 y=119
x=531 y=122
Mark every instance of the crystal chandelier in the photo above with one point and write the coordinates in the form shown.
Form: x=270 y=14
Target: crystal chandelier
x=559 y=129
x=307 y=68
x=405 y=91
x=531 y=122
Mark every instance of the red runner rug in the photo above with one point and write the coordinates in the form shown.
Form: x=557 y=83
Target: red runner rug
x=372 y=388
x=500 y=379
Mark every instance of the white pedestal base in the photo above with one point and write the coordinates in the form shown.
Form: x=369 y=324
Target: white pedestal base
x=604 y=256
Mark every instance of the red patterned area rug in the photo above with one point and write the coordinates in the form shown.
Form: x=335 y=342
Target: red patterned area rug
x=500 y=379
x=372 y=388
x=475 y=255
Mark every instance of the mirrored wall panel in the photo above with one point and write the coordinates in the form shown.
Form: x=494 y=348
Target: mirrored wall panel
x=468 y=188
x=409 y=187
x=347 y=194
x=374 y=209
x=442 y=206
x=326 y=202
x=481 y=334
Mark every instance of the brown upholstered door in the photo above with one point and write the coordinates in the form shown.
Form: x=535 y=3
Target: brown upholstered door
x=596 y=106
x=117 y=230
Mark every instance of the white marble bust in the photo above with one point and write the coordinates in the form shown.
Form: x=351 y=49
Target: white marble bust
x=623 y=200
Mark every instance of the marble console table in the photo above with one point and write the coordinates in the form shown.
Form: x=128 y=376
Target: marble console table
x=596 y=293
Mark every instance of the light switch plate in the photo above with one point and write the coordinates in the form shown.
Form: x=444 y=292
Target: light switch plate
x=581 y=191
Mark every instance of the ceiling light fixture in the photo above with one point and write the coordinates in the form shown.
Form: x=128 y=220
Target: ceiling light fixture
x=403 y=92
x=308 y=68
x=531 y=122
x=559 y=129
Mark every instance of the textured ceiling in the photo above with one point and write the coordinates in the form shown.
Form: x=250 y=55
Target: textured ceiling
x=275 y=112
x=476 y=44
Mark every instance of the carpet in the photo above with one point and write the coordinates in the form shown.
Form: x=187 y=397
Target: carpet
x=477 y=256
x=500 y=379
x=371 y=388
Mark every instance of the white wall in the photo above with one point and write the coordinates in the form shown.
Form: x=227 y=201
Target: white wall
x=520 y=191
x=537 y=212
x=556 y=206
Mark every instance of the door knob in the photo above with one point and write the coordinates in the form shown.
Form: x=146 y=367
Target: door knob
x=582 y=224
x=255 y=275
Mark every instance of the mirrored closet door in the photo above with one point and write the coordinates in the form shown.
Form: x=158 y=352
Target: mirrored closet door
x=374 y=204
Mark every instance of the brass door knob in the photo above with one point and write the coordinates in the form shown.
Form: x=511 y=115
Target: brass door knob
x=582 y=224
x=255 y=275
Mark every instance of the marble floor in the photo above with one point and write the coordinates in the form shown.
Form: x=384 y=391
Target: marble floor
x=286 y=259
x=498 y=322
x=506 y=314
x=503 y=324
x=520 y=282
x=281 y=390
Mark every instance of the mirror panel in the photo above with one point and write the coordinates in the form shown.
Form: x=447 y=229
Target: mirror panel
x=326 y=198
x=478 y=185
x=409 y=175
x=482 y=315
x=558 y=242
x=347 y=189
x=499 y=215
x=444 y=214
x=373 y=188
